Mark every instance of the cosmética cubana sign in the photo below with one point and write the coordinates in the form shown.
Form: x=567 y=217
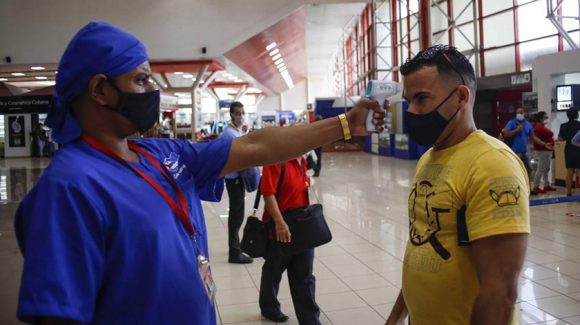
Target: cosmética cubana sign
x=25 y=104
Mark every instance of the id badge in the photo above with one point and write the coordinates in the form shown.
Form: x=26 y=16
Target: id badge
x=206 y=278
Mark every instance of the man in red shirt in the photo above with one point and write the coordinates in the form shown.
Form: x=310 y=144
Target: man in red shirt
x=543 y=153
x=291 y=194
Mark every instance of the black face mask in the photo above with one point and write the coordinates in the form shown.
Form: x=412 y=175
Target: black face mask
x=425 y=129
x=142 y=109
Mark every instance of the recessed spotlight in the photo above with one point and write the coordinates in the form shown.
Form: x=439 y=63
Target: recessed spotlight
x=276 y=51
x=37 y=68
x=3 y=79
x=271 y=46
x=187 y=76
x=40 y=78
x=17 y=74
x=178 y=73
x=276 y=57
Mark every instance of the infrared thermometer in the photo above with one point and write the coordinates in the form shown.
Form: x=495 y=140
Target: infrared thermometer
x=379 y=91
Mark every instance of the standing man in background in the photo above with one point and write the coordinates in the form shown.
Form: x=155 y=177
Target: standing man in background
x=236 y=190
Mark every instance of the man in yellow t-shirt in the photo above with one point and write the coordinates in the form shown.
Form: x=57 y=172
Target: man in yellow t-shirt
x=468 y=206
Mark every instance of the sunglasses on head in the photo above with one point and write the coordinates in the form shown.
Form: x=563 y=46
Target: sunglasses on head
x=444 y=51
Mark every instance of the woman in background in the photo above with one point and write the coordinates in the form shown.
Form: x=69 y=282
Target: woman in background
x=291 y=193
x=572 y=153
x=543 y=153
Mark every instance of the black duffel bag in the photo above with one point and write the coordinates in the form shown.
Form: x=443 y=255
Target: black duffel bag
x=308 y=228
x=255 y=237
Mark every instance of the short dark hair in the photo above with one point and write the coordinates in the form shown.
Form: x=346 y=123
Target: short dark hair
x=572 y=113
x=235 y=105
x=540 y=116
x=448 y=60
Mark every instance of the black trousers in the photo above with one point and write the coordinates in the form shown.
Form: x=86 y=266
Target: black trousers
x=526 y=160
x=302 y=284
x=318 y=166
x=236 y=193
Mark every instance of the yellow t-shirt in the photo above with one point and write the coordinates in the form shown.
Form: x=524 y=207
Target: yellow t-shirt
x=475 y=189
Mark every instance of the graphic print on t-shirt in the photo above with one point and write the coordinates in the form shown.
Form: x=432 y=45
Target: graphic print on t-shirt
x=506 y=194
x=425 y=216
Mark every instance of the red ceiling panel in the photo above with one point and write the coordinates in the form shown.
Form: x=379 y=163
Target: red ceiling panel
x=290 y=37
x=192 y=66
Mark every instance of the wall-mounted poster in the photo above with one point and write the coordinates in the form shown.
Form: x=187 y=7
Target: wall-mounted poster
x=16 y=134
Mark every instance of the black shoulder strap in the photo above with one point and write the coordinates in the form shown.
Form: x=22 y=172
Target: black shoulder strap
x=259 y=193
x=281 y=179
x=258 y=196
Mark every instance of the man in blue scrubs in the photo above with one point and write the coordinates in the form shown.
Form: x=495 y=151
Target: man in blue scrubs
x=113 y=232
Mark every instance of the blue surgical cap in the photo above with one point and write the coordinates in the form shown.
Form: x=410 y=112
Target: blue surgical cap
x=98 y=48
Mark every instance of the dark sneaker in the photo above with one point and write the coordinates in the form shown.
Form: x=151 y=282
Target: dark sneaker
x=278 y=318
x=240 y=259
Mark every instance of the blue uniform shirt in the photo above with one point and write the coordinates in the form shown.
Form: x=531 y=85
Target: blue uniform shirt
x=102 y=246
x=520 y=144
x=231 y=133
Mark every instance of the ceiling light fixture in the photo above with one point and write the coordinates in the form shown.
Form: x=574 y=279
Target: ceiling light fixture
x=17 y=74
x=178 y=73
x=276 y=51
x=282 y=69
x=187 y=76
x=271 y=46
x=277 y=62
x=40 y=78
x=3 y=79
x=281 y=65
x=276 y=57
x=37 y=68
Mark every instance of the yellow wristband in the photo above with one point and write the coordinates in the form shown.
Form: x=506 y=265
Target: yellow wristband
x=345 y=128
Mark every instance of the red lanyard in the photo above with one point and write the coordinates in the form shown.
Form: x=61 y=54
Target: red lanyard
x=180 y=209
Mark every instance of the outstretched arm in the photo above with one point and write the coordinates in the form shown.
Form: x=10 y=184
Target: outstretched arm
x=272 y=145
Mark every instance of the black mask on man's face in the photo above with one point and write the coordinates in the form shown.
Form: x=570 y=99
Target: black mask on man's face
x=425 y=129
x=142 y=109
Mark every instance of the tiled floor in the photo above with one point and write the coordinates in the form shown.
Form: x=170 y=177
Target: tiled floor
x=359 y=272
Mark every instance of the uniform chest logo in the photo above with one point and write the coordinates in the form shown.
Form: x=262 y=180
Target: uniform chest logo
x=171 y=162
x=172 y=165
x=424 y=217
